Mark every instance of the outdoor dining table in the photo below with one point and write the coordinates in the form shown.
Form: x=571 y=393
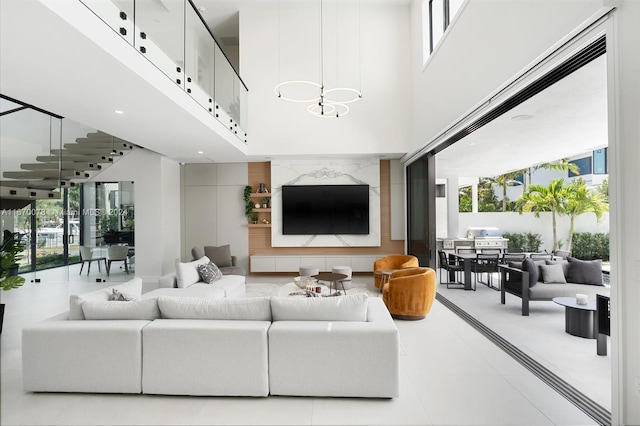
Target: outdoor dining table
x=467 y=260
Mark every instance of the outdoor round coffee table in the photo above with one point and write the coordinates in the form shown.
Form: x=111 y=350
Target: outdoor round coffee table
x=579 y=320
x=332 y=278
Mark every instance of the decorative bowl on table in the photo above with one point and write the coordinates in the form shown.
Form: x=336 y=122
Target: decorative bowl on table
x=302 y=281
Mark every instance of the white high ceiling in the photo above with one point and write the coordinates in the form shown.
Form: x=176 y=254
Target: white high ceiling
x=48 y=72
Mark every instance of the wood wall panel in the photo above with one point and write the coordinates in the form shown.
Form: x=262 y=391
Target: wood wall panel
x=260 y=238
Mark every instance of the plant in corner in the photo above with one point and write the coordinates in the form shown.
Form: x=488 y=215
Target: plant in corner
x=10 y=251
x=248 y=204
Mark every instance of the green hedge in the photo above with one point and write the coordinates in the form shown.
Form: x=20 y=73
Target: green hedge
x=528 y=242
x=588 y=246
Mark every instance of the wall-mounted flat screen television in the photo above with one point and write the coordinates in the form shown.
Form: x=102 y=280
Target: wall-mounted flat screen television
x=325 y=209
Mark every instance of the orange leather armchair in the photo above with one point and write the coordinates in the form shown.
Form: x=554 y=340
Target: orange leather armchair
x=409 y=293
x=395 y=261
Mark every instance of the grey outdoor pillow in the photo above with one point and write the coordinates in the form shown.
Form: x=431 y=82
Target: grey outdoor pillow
x=585 y=271
x=563 y=262
x=552 y=274
x=221 y=255
x=532 y=268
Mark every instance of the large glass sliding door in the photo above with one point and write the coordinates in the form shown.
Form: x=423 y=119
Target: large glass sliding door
x=421 y=220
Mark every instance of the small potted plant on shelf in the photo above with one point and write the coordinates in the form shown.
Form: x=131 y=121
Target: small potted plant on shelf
x=254 y=218
x=10 y=250
x=265 y=203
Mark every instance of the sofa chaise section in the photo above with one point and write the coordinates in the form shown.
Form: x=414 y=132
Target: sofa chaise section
x=334 y=357
x=59 y=355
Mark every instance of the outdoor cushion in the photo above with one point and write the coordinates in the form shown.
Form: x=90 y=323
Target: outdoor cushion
x=585 y=271
x=552 y=274
x=532 y=268
x=563 y=262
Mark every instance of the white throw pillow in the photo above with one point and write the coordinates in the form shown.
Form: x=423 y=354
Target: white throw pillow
x=187 y=273
x=145 y=309
x=247 y=309
x=132 y=287
x=352 y=307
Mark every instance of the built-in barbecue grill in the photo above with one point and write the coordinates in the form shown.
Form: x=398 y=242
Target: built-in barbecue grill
x=486 y=238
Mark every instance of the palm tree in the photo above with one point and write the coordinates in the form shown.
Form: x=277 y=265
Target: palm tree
x=583 y=200
x=561 y=165
x=505 y=180
x=541 y=198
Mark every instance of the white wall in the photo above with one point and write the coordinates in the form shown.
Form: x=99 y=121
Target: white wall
x=157 y=208
x=378 y=123
x=213 y=208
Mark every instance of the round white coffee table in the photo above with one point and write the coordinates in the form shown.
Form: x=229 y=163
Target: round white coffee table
x=289 y=288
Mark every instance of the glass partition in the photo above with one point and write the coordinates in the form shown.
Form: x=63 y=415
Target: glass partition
x=199 y=57
x=159 y=35
x=116 y=14
x=172 y=35
x=108 y=220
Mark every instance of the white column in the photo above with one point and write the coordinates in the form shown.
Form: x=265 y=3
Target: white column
x=452 y=206
x=474 y=198
x=623 y=38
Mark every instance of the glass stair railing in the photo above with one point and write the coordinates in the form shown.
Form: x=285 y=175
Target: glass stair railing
x=174 y=37
x=42 y=153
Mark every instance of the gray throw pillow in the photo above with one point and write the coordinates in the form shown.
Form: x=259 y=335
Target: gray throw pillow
x=197 y=253
x=117 y=296
x=221 y=255
x=563 y=262
x=209 y=272
x=552 y=274
x=532 y=268
x=585 y=271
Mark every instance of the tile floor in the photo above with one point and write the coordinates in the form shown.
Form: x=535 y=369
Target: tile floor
x=450 y=373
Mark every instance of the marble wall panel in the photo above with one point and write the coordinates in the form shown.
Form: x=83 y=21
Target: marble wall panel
x=359 y=171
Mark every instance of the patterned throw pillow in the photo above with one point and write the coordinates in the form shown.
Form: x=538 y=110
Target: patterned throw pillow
x=209 y=272
x=120 y=297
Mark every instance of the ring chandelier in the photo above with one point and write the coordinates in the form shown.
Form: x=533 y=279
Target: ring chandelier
x=327 y=103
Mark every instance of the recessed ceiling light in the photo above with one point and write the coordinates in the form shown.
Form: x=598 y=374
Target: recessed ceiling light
x=200 y=152
x=117 y=111
x=202 y=8
x=522 y=117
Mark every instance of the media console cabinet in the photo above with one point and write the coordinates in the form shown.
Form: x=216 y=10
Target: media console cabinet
x=267 y=263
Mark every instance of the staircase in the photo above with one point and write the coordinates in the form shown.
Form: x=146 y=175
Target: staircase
x=62 y=168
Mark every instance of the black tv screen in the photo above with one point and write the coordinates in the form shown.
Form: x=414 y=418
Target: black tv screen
x=325 y=209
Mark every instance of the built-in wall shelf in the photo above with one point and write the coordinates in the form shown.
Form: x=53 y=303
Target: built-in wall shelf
x=259 y=225
x=260 y=195
x=262 y=210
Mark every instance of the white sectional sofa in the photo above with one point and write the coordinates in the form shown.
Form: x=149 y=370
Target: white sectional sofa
x=220 y=347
